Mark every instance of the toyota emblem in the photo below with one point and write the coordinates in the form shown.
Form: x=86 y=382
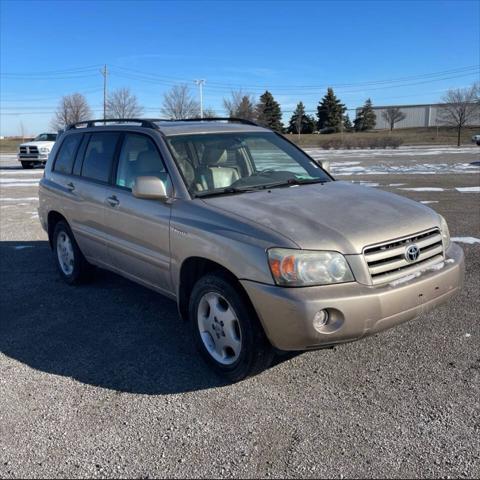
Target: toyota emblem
x=412 y=252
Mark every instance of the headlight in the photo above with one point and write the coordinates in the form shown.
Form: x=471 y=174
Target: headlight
x=445 y=232
x=44 y=150
x=299 y=268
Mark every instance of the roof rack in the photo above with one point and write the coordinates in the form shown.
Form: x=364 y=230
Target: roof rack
x=214 y=119
x=151 y=122
x=144 y=122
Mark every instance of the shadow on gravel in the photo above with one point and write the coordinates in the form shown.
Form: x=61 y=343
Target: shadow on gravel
x=111 y=333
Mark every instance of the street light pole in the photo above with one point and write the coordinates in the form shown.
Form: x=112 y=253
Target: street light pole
x=200 y=84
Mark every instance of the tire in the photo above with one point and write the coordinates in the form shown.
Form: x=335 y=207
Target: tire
x=246 y=351
x=27 y=165
x=72 y=265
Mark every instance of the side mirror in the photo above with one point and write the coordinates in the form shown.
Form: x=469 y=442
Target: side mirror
x=149 y=187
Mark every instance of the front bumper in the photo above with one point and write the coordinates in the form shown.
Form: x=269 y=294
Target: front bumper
x=32 y=157
x=355 y=310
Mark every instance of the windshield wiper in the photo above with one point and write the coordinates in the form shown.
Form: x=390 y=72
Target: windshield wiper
x=224 y=191
x=256 y=188
x=294 y=181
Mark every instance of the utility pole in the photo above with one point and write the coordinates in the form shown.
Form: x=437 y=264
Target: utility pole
x=200 y=84
x=104 y=72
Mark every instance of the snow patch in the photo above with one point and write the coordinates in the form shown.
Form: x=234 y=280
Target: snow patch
x=22 y=172
x=429 y=201
x=468 y=189
x=469 y=240
x=18 y=180
x=424 y=189
x=22 y=247
x=343 y=164
x=5 y=185
x=21 y=199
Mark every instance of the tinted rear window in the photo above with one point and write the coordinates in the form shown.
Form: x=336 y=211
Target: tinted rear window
x=99 y=156
x=66 y=154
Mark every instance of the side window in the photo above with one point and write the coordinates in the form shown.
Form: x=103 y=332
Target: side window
x=139 y=157
x=77 y=166
x=99 y=156
x=66 y=154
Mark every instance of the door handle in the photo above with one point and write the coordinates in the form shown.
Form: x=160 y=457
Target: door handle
x=113 y=201
x=71 y=186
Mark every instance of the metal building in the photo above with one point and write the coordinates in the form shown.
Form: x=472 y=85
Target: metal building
x=416 y=116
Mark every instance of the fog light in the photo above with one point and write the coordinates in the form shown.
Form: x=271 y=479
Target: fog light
x=320 y=319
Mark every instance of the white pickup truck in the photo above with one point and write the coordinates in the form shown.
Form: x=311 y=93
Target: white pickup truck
x=36 y=152
x=476 y=139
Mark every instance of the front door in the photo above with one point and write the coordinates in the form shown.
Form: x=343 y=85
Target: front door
x=138 y=230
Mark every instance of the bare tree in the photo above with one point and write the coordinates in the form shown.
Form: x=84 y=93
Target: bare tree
x=72 y=108
x=240 y=105
x=393 y=115
x=122 y=103
x=209 y=113
x=461 y=107
x=178 y=103
x=299 y=125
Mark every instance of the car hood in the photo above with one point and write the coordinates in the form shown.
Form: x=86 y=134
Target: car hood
x=337 y=216
x=38 y=144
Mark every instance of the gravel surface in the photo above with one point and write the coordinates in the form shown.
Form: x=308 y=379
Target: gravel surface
x=103 y=380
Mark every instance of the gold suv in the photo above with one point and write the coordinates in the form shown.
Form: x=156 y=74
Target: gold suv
x=261 y=248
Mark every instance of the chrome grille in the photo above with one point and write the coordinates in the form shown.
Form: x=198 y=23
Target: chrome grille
x=29 y=152
x=386 y=261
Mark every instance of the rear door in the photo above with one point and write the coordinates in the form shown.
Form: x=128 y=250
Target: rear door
x=88 y=186
x=138 y=230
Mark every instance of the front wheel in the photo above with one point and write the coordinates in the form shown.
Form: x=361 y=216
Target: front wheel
x=71 y=263
x=226 y=329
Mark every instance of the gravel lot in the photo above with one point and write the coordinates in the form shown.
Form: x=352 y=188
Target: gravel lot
x=103 y=380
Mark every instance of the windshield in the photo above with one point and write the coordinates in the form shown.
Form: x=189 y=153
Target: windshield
x=233 y=162
x=45 y=137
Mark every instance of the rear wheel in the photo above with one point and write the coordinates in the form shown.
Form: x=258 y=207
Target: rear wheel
x=226 y=329
x=71 y=263
x=27 y=165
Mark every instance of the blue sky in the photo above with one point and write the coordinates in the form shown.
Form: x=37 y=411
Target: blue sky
x=295 y=49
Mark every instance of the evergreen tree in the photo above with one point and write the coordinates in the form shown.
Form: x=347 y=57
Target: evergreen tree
x=347 y=124
x=269 y=113
x=366 y=118
x=246 y=109
x=330 y=112
x=240 y=105
x=300 y=122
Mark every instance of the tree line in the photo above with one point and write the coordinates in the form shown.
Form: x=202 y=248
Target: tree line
x=460 y=107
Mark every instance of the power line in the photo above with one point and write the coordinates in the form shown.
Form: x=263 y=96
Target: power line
x=293 y=89
x=141 y=75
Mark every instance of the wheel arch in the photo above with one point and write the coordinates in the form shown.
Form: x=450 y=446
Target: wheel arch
x=52 y=219
x=192 y=269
